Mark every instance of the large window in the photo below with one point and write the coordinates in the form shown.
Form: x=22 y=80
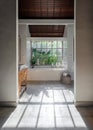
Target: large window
x=48 y=53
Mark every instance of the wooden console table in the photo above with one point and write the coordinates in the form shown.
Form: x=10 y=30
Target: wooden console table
x=22 y=79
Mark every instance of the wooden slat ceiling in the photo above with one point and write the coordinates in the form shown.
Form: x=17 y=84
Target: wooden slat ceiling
x=46 y=9
x=46 y=30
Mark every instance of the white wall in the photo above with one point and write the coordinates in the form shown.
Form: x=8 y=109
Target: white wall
x=70 y=39
x=44 y=74
x=8 y=51
x=84 y=50
x=28 y=52
x=23 y=33
x=65 y=31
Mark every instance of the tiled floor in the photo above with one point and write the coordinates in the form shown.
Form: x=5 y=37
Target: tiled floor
x=47 y=106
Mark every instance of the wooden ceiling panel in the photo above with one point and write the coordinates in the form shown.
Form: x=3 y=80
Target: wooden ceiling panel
x=46 y=34
x=46 y=30
x=34 y=9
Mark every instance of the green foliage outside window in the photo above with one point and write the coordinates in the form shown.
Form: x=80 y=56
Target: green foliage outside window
x=45 y=58
x=48 y=52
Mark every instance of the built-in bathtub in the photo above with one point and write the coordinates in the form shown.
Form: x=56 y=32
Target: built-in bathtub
x=44 y=74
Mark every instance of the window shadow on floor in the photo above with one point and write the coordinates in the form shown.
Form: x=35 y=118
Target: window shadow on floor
x=47 y=106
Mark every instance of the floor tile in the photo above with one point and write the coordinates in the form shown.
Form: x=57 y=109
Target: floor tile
x=64 y=122
x=47 y=122
x=47 y=106
x=47 y=111
x=31 y=111
x=48 y=96
x=28 y=122
x=37 y=98
x=68 y=95
x=61 y=111
x=58 y=96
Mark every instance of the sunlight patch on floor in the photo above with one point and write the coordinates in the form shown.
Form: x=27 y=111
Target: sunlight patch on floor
x=45 y=107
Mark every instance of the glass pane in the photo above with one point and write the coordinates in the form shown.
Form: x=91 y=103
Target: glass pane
x=60 y=59
x=43 y=44
x=38 y=45
x=54 y=44
x=64 y=44
x=54 y=51
x=59 y=51
x=65 y=51
x=33 y=45
x=65 y=54
x=39 y=42
x=48 y=50
x=44 y=50
x=33 y=41
x=59 y=44
x=48 y=44
x=39 y=49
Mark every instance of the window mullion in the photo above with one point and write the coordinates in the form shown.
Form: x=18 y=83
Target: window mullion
x=46 y=46
x=57 y=48
x=62 y=50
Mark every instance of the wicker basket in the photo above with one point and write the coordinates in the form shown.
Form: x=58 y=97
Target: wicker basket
x=66 y=78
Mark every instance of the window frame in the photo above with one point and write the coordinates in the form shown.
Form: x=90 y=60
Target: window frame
x=47 y=48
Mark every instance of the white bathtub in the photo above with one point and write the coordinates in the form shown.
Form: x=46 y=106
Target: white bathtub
x=44 y=74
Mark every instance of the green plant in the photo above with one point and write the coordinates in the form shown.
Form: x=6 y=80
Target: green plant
x=45 y=58
x=33 y=61
x=52 y=59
